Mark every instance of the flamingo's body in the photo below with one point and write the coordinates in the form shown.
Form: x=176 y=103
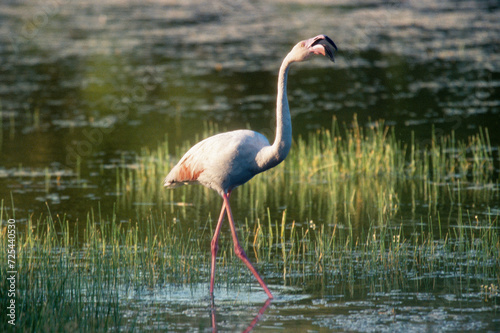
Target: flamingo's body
x=227 y=160
x=235 y=161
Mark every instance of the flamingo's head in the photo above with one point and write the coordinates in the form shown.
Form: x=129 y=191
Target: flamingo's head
x=320 y=44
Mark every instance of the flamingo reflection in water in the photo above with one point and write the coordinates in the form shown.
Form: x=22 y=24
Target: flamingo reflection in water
x=252 y=323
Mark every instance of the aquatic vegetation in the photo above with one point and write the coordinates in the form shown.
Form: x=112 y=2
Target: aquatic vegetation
x=333 y=174
x=76 y=277
x=73 y=274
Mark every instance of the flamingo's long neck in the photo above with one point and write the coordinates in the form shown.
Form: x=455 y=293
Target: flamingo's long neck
x=273 y=155
x=283 y=140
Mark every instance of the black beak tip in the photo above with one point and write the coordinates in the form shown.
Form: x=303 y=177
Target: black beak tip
x=331 y=42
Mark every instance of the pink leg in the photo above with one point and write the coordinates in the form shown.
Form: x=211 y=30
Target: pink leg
x=215 y=248
x=215 y=245
x=239 y=250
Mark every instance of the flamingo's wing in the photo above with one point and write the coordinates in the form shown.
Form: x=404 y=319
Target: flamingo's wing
x=220 y=162
x=189 y=168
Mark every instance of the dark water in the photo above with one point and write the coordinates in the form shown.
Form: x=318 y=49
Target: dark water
x=84 y=85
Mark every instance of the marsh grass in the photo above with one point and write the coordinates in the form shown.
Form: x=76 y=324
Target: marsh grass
x=348 y=171
x=339 y=226
x=67 y=280
x=65 y=284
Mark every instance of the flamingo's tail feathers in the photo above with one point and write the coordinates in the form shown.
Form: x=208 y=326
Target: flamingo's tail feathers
x=180 y=175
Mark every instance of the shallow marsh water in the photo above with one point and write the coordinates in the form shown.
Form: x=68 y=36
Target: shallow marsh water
x=85 y=85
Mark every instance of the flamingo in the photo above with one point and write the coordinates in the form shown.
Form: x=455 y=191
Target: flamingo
x=227 y=160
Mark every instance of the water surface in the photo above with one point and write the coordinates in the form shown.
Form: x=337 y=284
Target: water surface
x=85 y=85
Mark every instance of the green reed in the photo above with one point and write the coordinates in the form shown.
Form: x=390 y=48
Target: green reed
x=71 y=277
x=313 y=255
x=348 y=170
x=339 y=225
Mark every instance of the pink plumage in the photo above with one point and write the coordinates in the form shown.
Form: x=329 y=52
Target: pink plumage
x=227 y=160
x=220 y=162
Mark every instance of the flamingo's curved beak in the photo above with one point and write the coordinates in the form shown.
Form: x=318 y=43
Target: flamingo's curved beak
x=322 y=45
